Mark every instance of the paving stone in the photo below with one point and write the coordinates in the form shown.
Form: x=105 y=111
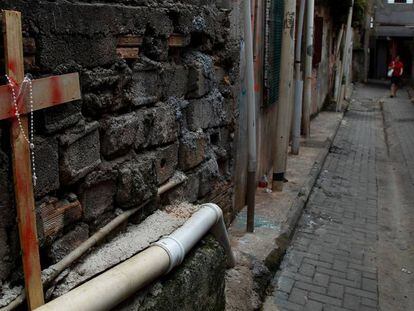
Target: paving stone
x=313 y=306
x=285 y=284
x=310 y=287
x=335 y=290
x=298 y=296
x=360 y=293
x=351 y=302
x=325 y=299
x=369 y=302
x=321 y=279
x=369 y=285
x=307 y=269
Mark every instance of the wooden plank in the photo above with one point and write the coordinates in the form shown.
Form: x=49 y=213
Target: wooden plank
x=128 y=53
x=130 y=41
x=177 y=40
x=22 y=172
x=47 y=92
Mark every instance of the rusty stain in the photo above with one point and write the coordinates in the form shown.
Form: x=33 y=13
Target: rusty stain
x=56 y=90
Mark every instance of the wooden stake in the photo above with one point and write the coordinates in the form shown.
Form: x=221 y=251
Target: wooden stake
x=22 y=171
x=47 y=92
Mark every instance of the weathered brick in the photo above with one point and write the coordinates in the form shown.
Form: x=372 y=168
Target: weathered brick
x=120 y=134
x=5 y=260
x=58 y=118
x=47 y=165
x=192 y=150
x=207 y=112
x=63 y=246
x=166 y=161
x=164 y=127
x=208 y=173
x=7 y=211
x=79 y=153
x=97 y=194
x=174 y=80
x=137 y=182
x=201 y=74
x=145 y=87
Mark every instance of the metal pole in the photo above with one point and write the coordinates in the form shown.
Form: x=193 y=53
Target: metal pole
x=308 y=67
x=299 y=82
x=251 y=116
x=285 y=96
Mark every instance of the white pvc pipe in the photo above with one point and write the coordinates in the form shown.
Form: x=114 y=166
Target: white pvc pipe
x=251 y=115
x=297 y=120
x=284 y=109
x=251 y=103
x=109 y=289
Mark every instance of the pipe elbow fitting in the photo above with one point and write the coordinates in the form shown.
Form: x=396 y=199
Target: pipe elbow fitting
x=216 y=209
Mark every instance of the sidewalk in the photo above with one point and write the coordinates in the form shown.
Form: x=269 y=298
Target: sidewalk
x=259 y=254
x=352 y=249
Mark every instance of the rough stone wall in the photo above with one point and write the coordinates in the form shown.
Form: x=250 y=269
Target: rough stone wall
x=323 y=72
x=166 y=107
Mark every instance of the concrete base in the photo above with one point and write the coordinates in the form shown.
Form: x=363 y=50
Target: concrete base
x=198 y=284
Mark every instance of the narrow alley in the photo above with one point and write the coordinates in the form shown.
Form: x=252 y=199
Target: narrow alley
x=353 y=247
x=227 y=155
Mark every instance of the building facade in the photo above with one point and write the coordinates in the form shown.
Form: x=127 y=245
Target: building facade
x=392 y=34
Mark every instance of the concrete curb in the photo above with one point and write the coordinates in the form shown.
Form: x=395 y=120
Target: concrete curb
x=288 y=229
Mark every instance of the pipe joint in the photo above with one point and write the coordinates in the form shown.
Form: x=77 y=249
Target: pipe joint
x=174 y=249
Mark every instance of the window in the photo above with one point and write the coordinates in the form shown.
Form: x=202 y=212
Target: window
x=273 y=50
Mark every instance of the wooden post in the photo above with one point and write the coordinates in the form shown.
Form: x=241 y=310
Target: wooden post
x=22 y=171
x=47 y=92
x=307 y=95
x=338 y=67
x=251 y=116
x=346 y=58
x=298 y=96
x=284 y=115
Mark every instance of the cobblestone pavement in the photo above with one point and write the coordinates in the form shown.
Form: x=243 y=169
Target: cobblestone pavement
x=333 y=262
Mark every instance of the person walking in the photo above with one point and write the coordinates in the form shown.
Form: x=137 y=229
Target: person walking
x=396 y=70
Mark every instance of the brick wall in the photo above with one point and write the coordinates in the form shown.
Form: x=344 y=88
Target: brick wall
x=156 y=79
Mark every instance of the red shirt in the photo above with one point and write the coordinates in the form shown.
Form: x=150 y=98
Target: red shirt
x=398 y=67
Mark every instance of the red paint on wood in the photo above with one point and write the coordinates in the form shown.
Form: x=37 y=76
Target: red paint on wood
x=12 y=66
x=56 y=90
